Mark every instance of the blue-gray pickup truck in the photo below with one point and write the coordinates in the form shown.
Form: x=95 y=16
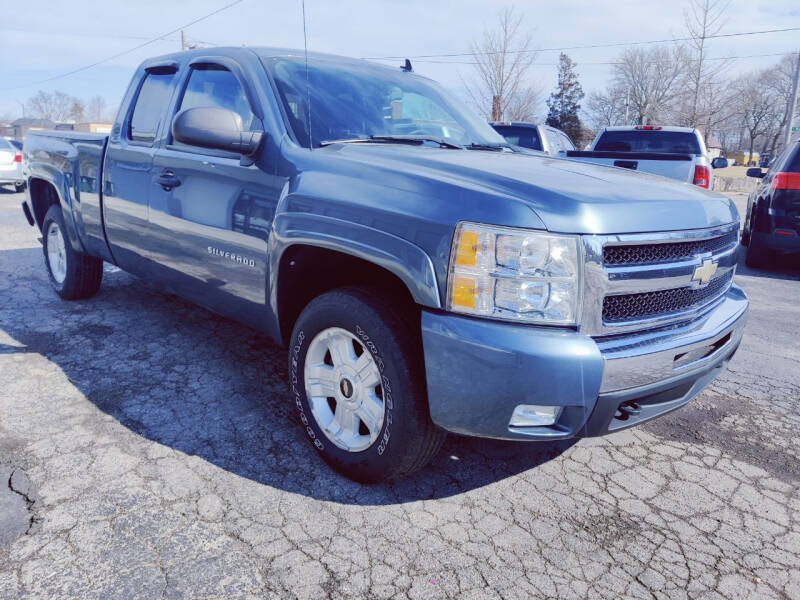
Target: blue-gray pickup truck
x=425 y=277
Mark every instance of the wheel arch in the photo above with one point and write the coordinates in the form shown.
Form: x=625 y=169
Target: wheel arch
x=43 y=194
x=311 y=254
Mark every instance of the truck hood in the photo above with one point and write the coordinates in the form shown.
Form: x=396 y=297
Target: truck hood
x=567 y=196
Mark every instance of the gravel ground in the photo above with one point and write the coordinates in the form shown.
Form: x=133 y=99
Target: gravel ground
x=148 y=449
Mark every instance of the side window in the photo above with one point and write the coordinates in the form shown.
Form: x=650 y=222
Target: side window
x=777 y=164
x=553 y=140
x=151 y=104
x=215 y=86
x=566 y=143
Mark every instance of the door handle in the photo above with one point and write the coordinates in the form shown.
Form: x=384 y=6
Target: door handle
x=167 y=180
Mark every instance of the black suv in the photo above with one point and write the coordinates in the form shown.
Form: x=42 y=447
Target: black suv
x=773 y=209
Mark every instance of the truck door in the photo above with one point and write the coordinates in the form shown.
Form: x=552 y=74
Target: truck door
x=209 y=230
x=128 y=169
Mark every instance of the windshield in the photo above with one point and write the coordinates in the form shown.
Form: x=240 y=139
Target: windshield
x=677 y=142
x=527 y=137
x=351 y=100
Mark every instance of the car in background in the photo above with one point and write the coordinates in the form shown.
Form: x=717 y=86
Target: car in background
x=531 y=136
x=675 y=152
x=772 y=223
x=11 y=165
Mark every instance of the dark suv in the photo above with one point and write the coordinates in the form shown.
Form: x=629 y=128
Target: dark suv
x=773 y=209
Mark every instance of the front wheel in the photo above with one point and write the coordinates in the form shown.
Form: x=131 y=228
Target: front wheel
x=358 y=384
x=72 y=274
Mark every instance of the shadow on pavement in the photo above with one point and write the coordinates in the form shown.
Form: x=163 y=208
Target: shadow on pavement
x=783 y=266
x=183 y=377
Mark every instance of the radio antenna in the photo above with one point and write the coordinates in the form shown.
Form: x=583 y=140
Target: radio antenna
x=308 y=83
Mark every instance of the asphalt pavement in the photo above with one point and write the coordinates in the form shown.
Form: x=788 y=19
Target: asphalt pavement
x=148 y=449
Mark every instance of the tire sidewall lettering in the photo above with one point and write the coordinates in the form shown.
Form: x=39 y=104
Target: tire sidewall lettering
x=295 y=390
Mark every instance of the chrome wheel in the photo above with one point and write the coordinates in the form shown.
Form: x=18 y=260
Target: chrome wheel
x=56 y=253
x=344 y=390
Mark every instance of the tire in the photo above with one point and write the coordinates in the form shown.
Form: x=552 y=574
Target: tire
x=758 y=256
x=74 y=276
x=19 y=188
x=323 y=351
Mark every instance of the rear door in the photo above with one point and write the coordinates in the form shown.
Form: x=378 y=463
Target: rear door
x=127 y=171
x=208 y=235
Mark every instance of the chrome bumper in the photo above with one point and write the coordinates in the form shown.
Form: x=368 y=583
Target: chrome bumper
x=638 y=360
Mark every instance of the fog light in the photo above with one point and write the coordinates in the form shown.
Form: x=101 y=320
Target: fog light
x=532 y=415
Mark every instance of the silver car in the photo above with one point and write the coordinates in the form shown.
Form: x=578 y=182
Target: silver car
x=11 y=165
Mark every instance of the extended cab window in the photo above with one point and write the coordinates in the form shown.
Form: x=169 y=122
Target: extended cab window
x=215 y=86
x=151 y=103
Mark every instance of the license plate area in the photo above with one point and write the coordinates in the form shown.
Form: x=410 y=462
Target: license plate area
x=685 y=359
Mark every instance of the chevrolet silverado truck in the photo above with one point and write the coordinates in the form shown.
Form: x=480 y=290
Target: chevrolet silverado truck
x=424 y=276
x=675 y=152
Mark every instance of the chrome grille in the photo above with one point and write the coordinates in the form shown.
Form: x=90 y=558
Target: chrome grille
x=640 y=281
x=644 y=254
x=631 y=307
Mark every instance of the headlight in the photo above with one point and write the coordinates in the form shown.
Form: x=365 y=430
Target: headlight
x=514 y=274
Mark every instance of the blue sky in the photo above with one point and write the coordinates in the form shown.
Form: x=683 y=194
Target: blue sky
x=40 y=39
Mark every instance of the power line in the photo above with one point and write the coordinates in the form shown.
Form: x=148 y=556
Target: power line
x=580 y=64
x=608 y=45
x=128 y=51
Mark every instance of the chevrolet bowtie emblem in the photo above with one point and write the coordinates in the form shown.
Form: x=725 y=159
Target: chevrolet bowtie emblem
x=705 y=271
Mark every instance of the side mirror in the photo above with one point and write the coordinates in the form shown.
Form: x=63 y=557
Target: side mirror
x=755 y=172
x=719 y=163
x=216 y=129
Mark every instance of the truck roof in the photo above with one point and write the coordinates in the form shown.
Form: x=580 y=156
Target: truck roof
x=655 y=128
x=513 y=124
x=264 y=52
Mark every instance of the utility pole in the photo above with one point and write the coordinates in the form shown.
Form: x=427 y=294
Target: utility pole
x=791 y=109
x=184 y=45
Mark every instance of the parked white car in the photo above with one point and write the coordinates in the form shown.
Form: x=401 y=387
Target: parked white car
x=11 y=165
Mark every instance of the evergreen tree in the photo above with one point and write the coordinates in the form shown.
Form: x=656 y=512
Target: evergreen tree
x=564 y=103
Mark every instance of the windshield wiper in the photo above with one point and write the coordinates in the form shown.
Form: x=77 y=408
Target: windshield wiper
x=494 y=147
x=396 y=139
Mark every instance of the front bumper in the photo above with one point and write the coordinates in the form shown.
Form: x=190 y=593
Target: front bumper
x=479 y=370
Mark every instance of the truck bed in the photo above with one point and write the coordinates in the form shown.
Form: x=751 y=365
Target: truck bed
x=75 y=159
x=674 y=166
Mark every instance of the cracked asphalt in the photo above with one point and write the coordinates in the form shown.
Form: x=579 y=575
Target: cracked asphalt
x=149 y=449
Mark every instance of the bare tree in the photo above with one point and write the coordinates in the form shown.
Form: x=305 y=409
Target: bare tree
x=779 y=83
x=605 y=109
x=77 y=111
x=96 y=109
x=502 y=60
x=756 y=107
x=704 y=19
x=652 y=78
x=56 y=107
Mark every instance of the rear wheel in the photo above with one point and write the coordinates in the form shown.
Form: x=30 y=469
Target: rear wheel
x=758 y=255
x=73 y=275
x=359 y=386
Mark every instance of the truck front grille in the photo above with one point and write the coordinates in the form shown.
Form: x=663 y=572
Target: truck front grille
x=645 y=254
x=632 y=307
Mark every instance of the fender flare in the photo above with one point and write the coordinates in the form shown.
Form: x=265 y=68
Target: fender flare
x=61 y=184
x=407 y=261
